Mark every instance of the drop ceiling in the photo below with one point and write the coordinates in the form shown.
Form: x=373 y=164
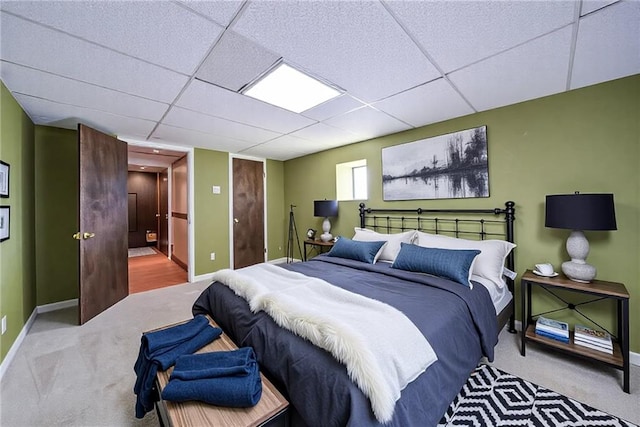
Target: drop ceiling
x=171 y=71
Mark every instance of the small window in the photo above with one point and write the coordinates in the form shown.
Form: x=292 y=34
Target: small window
x=351 y=180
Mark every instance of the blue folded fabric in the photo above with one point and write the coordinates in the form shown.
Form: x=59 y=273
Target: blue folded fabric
x=197 y=379
x=214 y=364
x=160 y=349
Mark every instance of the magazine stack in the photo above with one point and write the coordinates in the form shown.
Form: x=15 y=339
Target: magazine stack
x=593 y=339
x=553 y=329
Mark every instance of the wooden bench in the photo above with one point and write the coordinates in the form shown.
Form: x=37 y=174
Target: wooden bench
x=270 y=411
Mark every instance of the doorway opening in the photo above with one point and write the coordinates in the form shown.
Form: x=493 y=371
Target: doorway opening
x=158 y=212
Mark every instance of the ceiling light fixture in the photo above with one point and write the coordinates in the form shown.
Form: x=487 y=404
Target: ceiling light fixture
x=291 y=89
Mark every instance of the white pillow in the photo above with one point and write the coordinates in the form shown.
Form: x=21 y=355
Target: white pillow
x=488 y=264
x=391 y=249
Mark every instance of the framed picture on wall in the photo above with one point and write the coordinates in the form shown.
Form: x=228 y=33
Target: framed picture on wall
x=4 y=223
x=451 y=166
x=4 y=179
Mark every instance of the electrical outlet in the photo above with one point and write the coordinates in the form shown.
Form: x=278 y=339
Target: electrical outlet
x=4 y=324
x=213 y=256
x=215 y=189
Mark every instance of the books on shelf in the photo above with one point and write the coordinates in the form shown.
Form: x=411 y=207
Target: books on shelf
x=593 y=338
x=555 y=328
x=552 y=336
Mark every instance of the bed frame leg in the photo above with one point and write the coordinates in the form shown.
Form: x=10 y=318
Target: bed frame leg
x=512 y=324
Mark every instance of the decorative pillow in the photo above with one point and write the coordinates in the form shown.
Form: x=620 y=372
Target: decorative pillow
x=390 y=251
x=360 y=251
x=489 y=263
x=453 y=264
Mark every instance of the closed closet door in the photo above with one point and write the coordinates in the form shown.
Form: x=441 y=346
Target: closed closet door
x=248 y=212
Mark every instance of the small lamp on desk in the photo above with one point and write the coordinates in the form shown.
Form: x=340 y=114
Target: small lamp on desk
x=326 y=209
x=578 y=212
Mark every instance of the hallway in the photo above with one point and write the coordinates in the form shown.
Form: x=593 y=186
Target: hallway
x=152 y=272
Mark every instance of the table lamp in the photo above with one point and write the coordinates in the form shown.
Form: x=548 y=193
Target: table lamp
x=326 y=209
x=578 y=212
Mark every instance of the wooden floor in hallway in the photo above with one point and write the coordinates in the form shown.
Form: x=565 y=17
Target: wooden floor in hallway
x=152 y=272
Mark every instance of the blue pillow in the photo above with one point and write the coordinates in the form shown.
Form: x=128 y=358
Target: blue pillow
x=453 y=264
x=359 y=251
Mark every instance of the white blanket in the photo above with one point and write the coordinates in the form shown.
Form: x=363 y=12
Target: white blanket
x=381 y=348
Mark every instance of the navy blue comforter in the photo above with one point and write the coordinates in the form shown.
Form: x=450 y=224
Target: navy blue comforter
x=459 y=323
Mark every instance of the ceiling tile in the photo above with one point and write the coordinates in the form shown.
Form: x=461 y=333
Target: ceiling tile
x=284 y=148
x=66 y=91
x=68 y=117
x=430 y=103
x=32 y=45
x=235 y=61
x=538 y=68
x=325 y=134
x=225 y=104
x=353 y=44
x=180 y=136
x=608 y=45
x=458 y=33
x=367 y=123
x=589 y=6
x=160 y=32
x=219 y=11
x=179 y=117
x=333 y=107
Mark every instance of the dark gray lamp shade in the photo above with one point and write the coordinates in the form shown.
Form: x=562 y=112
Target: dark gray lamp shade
x=325 y=208
x=580 y=212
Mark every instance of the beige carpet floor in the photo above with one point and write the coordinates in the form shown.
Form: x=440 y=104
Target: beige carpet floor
x=69 y=375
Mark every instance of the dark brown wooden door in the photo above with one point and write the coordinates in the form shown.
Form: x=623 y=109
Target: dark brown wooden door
x=163 y=231
x=248 y=212
x=103 y=222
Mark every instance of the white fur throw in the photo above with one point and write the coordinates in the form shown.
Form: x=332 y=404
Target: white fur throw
x=381 y=348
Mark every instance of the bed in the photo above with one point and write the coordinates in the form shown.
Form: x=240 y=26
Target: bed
x=460 y=323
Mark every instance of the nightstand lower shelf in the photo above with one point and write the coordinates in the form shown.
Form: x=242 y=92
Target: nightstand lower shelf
x=614 y=359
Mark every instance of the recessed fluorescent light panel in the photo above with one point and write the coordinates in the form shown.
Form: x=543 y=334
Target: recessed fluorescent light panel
x=288 y=88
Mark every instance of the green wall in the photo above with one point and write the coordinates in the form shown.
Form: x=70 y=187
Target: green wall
x=17 y=257
x=56 y=190
x=211 y=211
x=277 y=213
x=586 y=140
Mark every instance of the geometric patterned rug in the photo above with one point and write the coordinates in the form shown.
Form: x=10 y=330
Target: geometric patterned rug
x=133 y=252
x=492 y=397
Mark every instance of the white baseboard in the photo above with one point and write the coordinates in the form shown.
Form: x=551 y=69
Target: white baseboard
x=281 y=260
x=16 y=344
x=27 y=326
x=634 y=358
x=57 y=305
x=201 y=277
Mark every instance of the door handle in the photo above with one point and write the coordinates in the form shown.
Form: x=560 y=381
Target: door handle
x=85 y=236
x=235 y=220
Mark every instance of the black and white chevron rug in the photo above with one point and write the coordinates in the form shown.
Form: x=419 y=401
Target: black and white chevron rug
x=492 y=397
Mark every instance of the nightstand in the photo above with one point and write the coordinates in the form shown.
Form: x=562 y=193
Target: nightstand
x=600 y=290
x=318 y=244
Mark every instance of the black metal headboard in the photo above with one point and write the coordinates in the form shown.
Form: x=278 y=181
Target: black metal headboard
x=474 y=222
